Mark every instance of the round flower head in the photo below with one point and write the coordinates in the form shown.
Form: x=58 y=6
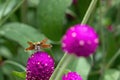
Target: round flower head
x=72 y=76
x=81 y=40
x=40 y=66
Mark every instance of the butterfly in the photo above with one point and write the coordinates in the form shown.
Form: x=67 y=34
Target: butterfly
x=40 y=44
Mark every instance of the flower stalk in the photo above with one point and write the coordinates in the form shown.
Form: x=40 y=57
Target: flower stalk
x=68 y=58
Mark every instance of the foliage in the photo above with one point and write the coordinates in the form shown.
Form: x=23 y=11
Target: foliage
x=34 y=20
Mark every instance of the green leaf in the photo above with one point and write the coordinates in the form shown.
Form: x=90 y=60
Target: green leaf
x=19 y=74
x=117 y=30
x=111 y=14
x=21 y=56
x=33 y=3
x=8 y=69
x=51 y=14
x=82 y=66
x=6 y=7
x=81 y=8
x=111 y=45
x=15 y=64
x=20 y=33
x=1 y=75
x=57 y=52
x=5 y=52
x=17 y=78
x=111 y=74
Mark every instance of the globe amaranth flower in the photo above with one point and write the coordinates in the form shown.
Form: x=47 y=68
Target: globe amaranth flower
x=71 y=76
x=40 y=66
x=81 y=40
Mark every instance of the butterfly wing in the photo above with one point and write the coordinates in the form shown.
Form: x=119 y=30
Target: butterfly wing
x=31 y=47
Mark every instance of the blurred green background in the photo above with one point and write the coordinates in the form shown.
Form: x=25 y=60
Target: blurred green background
x=34 y=20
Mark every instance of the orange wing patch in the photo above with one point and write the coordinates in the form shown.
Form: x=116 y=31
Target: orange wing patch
x=31 y=47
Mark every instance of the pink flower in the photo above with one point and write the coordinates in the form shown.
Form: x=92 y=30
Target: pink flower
x=72 y=76
x=81 y=40
x=40 y=66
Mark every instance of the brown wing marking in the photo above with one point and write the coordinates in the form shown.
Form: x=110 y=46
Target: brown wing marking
x=46 y=46
x=31 y=47
x=30 y=43
x=44 y=40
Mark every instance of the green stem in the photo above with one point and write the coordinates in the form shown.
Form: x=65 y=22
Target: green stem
x=15 y=63
x=102 y=43
x=61 y=66
x=113 y=58
x=89 y=11
x=2 y=21
x=68 y=58
x=24 y=8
